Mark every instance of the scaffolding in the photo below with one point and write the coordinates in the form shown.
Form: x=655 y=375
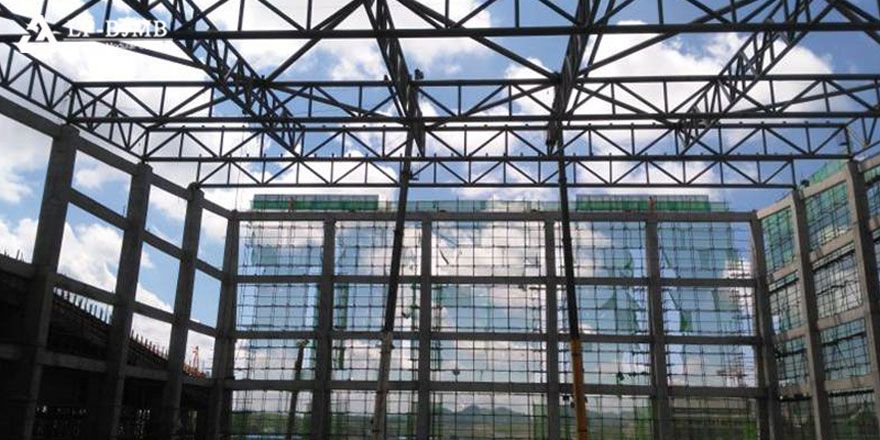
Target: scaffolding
x=491 y=330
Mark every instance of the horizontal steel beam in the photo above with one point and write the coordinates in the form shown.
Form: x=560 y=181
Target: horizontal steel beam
x=469 y=32
x=475 y=119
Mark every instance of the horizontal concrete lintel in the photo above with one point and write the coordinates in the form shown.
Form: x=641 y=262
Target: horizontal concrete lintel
x=27 y=117
x=208 y=269
x=146 y=373
x=498 y=387
x=828 y=182
x=103 y=155
x=154 y=313
x=73 y=362
x=202 y=328
x=841 y=241
x=794 y=333
x=77 y=287
x=821 y=324
x=841 y=318
x=216 y=209
x=797 y=391
x=783 y=272
x=162 y=244
x=502 y=336
x=97 y=209
x=536 y=216
x=849 y=383
x=779 y=205
x=170 y=187
x=869 y=163
x=748 y=392
x=496 y=280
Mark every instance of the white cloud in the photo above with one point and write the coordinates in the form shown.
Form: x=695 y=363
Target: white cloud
x=90 y=253
x=672 y=58
x=23 y=150
x=17 y=239
x=59 y=9
x=347 y=59
x=93 y=174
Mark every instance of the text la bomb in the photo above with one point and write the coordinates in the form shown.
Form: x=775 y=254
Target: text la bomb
x=128 y=29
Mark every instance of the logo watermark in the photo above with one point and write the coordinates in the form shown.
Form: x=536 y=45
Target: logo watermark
x=39 y=32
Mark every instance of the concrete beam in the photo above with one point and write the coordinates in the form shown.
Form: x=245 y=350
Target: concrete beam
x=552 y=335
x=220 y=402
x=423 y=416
x=105 y=423
x=863 y=241
x=492 y=279
x=659 y=379
x=807 y=288
x=768 y=408
x=324 y=350
x=536 y=216
x=24 y=384
x=169 y=424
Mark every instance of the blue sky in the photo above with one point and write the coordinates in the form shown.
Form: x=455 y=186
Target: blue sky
x=89 y=245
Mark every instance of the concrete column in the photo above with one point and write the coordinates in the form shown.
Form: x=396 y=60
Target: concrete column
x=169 y=423
x=423 y=418
x=552 y=350
x=660 y=402
x=867 y=268
x=324 y=350
x=224 y=343
x=807 y=289
x=24 y=383
x=768 y=407
x=106 y=420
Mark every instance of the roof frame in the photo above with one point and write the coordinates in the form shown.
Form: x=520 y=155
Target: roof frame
x=723 y=134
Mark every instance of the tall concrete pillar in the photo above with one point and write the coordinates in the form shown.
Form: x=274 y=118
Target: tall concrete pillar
x=324 y=350
x=769 y=411
x=169 y=420
x=807 y=288
x=863 y=243
x=224 y=343
x=552 y=317
x=423 y=416
x=24 y=383
x=659 y=378
x=104 y=423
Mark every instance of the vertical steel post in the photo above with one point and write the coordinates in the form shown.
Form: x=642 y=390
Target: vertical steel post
x=24 y=383
x=106 y=422
x=407 y=102
x=574 y=330
x=769 y=411
x=552 y=329
x=169 y=423
x=294 y=396
x=555 y=141
x=807 y=288
x=223 y=367
x=324 y=350
x=423 y=418
x=660 y=380
x=866 y=259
